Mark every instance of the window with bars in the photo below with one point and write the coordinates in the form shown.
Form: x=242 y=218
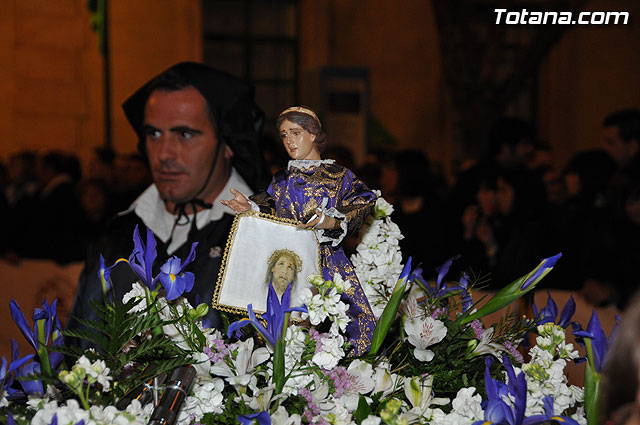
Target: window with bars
x=256 y=40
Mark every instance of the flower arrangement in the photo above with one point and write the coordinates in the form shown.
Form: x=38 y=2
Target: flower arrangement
x=431 y=361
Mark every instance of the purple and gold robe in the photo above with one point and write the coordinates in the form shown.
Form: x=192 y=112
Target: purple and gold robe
x=296 y=193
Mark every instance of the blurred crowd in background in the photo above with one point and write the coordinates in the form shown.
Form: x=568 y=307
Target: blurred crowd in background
x=51 y=210
x=502 y=214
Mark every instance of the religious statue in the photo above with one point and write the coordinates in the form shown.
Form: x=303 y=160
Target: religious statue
x=322 y=196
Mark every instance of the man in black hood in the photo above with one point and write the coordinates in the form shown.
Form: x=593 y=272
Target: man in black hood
x=199 y=129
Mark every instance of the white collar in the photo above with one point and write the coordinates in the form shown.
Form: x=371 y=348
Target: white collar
x=151 y=210
x=308 y=163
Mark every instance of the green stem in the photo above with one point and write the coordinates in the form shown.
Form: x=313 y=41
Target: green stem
x=278 y=357
x=591 y=387
x=83 y=399
x=43 y=354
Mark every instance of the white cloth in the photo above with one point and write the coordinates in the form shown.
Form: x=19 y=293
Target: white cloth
x=308 y=163
x=151 y=210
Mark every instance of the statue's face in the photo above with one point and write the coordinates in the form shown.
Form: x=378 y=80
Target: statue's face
x=297 y=141
x=283 y=273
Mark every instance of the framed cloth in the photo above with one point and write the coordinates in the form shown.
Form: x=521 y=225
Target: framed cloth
x=263 y=248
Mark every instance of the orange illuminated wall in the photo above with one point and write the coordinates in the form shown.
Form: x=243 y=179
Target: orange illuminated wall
x=51 y=73
x=590 y=73
x=398 y=43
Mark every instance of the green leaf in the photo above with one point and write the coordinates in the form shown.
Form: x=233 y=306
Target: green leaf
x=123 y=341
x=503 y=298
x=386 y=319
x=362 y=411
x=507 y=295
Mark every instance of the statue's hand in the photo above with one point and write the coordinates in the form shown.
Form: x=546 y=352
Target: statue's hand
x=319 y=221
x=238 y=204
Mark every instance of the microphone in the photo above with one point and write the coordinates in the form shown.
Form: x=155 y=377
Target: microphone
x=176 y=389
x=143 y=393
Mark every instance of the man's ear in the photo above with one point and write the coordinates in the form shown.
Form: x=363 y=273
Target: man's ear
x=228 y=153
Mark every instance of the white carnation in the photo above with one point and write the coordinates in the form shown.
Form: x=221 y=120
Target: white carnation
x=331 y=352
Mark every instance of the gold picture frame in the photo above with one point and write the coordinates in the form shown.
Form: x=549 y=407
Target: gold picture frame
x=254 y=240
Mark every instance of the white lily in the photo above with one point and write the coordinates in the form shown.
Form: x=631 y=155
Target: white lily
x=244 y=362
x=487 y=345
x=360 y=375
x=423 y=333
x=281 y=417
x=386 y=382
x=418 y=392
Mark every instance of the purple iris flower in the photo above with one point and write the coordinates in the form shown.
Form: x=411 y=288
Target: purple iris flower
x=142 y=258
x=274 y=316
x=496 y=410
x=550 y=311
x=104 y=274
x=50 y=327
x=6 y=374
x=173 y=277
x=441 y=288
x=467 y=301
x=262 y=418
x=46 y=327
x=23 y=325
x=597 y=340
x=32 y=386
x=409 y=274
x=545 y=266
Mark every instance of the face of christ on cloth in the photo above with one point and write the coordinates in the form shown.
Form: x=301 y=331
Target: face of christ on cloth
x=282 y=269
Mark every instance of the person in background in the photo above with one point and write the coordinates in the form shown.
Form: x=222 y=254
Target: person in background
x=21 y=196
x=504 y=232
x=131 y=177
x=418 y=209
x=53 y=233
x=512 y=147
x=94 y=201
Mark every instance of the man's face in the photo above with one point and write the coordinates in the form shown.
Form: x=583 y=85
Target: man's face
x=283 y=272
x=620 y=151
x=181 y=144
